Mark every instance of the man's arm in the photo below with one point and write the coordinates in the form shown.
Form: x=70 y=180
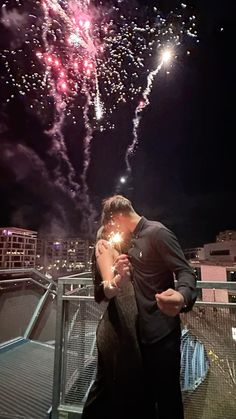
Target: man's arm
x=172 y=255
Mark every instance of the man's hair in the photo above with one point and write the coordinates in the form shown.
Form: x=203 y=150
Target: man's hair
x=115 y=205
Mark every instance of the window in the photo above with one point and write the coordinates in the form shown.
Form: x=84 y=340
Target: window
x=231 y=276
x=198 y=274
x=232 y=298
x=17 y=264
x=220 y=252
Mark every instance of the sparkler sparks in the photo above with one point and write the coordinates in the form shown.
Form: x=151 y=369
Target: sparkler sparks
x=115 y=240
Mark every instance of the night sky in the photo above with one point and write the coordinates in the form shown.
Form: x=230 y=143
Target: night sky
x=183 y=169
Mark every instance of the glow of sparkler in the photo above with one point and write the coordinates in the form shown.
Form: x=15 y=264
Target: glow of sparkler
x=115 y=240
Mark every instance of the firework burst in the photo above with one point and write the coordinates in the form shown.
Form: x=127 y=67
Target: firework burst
x=86 y=58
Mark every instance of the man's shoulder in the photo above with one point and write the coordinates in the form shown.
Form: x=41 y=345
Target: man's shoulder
x=154 y=227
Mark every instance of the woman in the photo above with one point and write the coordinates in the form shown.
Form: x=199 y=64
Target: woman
x=117 y=391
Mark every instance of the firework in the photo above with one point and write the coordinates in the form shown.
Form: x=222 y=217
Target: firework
x=108 y=49
x=86 y=60
x=166 y=56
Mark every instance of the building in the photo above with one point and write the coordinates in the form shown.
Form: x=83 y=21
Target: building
x=196 y=253
x=221 y=251
x=215 y=272
x=17 y=248
x=226 y=235
x=63 y=255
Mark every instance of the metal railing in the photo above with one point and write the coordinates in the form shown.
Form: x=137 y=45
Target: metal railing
x=208 y=364
x=24 y=280
x=27 y=337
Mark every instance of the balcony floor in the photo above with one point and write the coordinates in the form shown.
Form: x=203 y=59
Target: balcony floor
x=26 y=380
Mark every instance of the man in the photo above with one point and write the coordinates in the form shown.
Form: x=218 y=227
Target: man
x=156 y=259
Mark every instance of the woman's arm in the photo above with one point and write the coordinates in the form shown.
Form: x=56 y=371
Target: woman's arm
x=105 y=260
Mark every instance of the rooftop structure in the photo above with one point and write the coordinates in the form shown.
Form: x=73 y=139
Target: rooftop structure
x=226 y=235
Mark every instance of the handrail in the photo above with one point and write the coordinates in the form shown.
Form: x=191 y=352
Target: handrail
x=225 y=285
x=17 y=271
x=9 y=281
x=197 y=303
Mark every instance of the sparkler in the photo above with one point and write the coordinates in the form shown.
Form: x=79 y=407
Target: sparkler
x=115 y=240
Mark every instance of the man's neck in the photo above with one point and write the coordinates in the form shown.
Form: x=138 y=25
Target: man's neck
x=133 y=221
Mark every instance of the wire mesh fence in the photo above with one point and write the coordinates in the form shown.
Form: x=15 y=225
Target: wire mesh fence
x=208 y=361
x=80 y=351
x=212 y=369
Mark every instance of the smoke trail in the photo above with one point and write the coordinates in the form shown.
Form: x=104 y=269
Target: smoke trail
x=138 y=115
x=59 y=146
x=88 y=210
x=87 y=143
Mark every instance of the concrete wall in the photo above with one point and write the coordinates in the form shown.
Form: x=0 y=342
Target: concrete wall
x=214 y=274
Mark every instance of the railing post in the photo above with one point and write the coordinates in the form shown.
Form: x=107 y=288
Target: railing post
x=58 y=352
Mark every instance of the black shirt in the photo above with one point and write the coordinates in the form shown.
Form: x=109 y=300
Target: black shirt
x=157 y=259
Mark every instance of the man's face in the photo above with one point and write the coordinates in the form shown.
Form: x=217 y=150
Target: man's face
x=117 y=224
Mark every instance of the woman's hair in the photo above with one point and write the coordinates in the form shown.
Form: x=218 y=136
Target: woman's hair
x=99 y=294
x=100 y=234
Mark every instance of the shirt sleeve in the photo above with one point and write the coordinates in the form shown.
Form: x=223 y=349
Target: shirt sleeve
x=174 y=259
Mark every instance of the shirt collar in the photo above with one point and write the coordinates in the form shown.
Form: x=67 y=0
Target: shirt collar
x=139 y=227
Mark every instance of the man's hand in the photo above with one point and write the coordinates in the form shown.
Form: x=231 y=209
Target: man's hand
x=122 y=268
x=170 y=302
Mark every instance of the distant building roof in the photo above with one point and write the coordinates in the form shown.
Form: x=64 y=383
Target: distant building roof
x=16 y=230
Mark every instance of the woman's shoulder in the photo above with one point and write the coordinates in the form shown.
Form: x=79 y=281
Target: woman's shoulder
x=104 y=247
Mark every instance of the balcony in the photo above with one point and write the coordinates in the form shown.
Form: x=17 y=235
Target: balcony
x=208 y=365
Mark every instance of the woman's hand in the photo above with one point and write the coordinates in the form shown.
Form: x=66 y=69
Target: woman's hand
x=122 y=268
